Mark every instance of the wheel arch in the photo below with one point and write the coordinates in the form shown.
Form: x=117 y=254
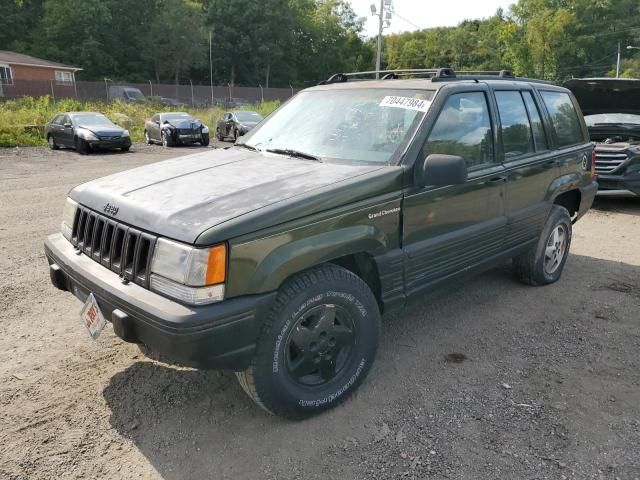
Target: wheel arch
x=570 y=200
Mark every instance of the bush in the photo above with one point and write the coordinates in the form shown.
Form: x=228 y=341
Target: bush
x=22 y=120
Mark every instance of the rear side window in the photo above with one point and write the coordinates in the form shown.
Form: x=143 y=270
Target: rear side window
x=516 y=131
x=536 y=122
x=564 y=118
x=463 y=128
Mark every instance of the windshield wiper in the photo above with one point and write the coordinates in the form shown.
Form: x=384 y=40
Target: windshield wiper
x=244 y=145
x=294 y=153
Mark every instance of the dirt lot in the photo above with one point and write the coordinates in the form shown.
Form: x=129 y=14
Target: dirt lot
x=548 y=385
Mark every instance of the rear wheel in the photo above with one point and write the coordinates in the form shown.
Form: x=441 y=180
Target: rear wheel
x=317 y=345
x=52 y=143
x=543 y=263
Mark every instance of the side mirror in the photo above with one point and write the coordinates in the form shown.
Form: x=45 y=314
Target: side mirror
x=438 y=169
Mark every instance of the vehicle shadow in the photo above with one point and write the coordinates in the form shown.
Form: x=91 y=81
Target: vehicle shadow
x=459 y=343
x=630 y=206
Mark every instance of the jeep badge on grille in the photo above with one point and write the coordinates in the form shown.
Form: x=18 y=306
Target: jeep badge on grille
x=111 y=209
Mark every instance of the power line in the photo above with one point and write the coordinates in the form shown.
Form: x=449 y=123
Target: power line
x=408 y=21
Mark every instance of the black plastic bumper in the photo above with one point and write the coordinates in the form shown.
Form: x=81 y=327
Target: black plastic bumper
x=219 y=336
x=629 y=182
x=105 y=144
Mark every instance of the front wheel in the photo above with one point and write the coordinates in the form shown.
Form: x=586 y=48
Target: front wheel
x=204 y=140
x=219 y=135
x=147 y=138
x=82 y=146
x=125 y=148
x=543 y=263
x=317 y=345
x=167 y=140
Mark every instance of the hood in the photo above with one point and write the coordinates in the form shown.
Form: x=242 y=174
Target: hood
x=183 y=123
x=248 y=124
x=182 y=197
x=606 y=95
x=104 y=131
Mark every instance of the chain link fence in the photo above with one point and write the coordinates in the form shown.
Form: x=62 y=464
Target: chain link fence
x=194 y=95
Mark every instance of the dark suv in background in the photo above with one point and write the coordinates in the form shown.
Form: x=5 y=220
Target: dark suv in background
x=612 y=112
x=276 y=257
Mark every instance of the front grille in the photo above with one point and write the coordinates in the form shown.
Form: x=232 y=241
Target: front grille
x=122 y=249
x=608 y=161
x=187 y=131
x=110 y=138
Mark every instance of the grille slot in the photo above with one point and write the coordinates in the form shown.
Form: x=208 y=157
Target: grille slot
x=118 y=247
x=608 y=161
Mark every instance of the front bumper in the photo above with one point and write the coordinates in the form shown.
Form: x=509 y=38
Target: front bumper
x=219 y=336
x=119 y=143
x=629 y=182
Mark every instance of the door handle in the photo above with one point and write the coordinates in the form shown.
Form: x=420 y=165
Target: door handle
x=496 y=181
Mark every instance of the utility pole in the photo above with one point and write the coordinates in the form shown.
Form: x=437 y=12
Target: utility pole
x=211 y=66
x=618 y=62
x=386 y=8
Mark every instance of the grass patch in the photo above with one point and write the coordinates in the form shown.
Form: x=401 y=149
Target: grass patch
x=22 y=120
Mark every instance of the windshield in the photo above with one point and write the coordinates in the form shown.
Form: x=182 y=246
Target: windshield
x=616 y=118
x=177 y=116
x=355 y=125
x=93 y=121
x=248 y=117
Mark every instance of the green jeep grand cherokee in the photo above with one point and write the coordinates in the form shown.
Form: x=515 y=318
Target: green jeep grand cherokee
x=276 y=257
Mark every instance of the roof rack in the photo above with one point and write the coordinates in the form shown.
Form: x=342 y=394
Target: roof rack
x=435 y=74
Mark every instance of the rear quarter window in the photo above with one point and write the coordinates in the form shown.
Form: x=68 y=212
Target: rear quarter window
x=564 y=118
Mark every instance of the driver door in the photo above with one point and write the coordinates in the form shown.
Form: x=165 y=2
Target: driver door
x=451 y=229
x=66 y=132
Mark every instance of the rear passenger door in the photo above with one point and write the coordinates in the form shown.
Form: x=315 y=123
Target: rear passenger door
x=450 y=229
x=531 y=165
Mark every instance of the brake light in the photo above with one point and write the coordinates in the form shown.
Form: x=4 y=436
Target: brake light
x=594 y=175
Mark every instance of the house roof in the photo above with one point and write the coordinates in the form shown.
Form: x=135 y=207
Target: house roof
x=13 y=58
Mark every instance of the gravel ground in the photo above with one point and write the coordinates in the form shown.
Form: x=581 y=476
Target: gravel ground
x=487 y=380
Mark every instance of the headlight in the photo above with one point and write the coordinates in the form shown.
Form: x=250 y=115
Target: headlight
x=205 y=129
x=86 y=134
x=68 y=217
x=191 y=275
x=125 y=133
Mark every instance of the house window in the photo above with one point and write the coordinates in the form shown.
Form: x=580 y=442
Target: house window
x=5 y=75
x=64 y=77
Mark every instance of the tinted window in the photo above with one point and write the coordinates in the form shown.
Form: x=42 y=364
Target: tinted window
x=516 y=131
x=536 y=122
x=564 y=118
x=463 y=128
x=58 y=120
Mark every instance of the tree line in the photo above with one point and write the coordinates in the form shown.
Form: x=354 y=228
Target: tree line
x=299 y=42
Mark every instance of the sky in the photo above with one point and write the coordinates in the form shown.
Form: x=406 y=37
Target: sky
x=428 y=13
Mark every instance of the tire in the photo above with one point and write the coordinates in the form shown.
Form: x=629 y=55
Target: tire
x=147 y=138
x=205 y=140
x=52 y=143
x=125 y=148
x=219 y=135
x=236 y=135
x=167 y=141
x=543 y=263
x=82 y=147
x=316 y=346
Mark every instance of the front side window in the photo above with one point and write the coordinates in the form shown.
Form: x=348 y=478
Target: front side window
x=63 y=77
x=463 y=128
x=564 y=118
x=93 y=121
x=5 y=75
x=359 y=125
x=516 y=130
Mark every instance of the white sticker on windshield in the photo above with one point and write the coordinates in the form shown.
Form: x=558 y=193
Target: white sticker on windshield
x=406 y=103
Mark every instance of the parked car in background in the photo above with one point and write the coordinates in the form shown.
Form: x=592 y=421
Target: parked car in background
x=85 y=131
x=126 y=94
x=175 y=128
x=612 y=111
x=237 y=123
x=276 y=257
